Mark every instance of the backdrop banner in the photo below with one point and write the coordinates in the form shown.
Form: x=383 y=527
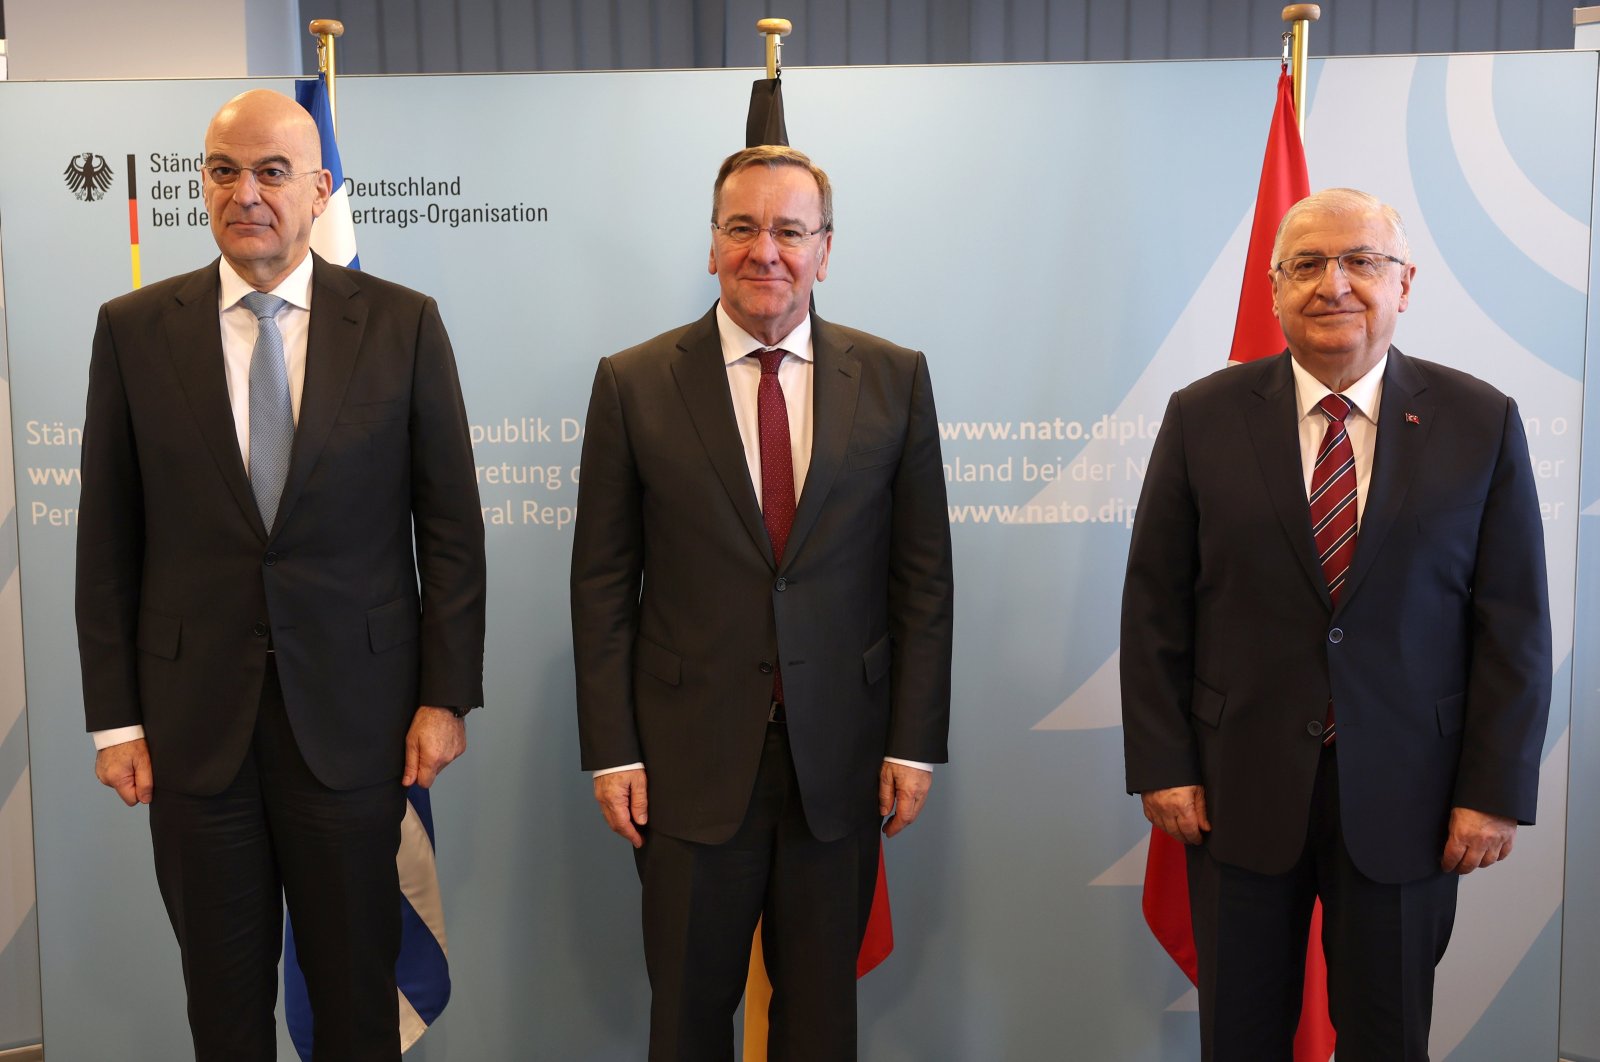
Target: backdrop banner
x=1065 y=243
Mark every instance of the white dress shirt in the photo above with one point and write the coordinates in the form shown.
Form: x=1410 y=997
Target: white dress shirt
x=744 y=381
x=1361 y=425
x=239 y=328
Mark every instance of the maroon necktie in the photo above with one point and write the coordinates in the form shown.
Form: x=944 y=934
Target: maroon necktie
x=777 y=468
x=1333 y=506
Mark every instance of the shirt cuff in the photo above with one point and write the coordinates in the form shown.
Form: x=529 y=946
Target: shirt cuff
x=909 y=763
x=617 y=770
x=104 y=739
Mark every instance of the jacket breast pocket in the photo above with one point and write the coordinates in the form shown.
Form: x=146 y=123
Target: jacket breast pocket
x=1449 y=541
x=873 y=458
x=373 y=412
x=1462 y=520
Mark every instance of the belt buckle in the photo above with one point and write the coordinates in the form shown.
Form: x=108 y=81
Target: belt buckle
x=775 y=712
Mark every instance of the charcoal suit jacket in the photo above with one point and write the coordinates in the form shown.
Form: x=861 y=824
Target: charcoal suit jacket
x=679 y=612
x=369 y=589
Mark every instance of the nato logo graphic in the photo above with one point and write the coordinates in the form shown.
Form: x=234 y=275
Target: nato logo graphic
x=88 y=176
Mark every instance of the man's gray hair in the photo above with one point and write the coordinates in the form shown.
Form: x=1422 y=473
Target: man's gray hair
x=772 y=156
x=1345 y=202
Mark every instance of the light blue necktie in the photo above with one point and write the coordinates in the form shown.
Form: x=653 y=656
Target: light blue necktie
x=271 y=411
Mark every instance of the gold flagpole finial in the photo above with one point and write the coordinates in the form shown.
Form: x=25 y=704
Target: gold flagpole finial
x=774 y=29
x=325 y=30
x=1300 y=17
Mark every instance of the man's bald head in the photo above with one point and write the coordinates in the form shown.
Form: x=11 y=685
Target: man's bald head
x=264 y=184
x=263 y=106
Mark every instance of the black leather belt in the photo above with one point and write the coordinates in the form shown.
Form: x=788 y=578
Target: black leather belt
x=775 y=713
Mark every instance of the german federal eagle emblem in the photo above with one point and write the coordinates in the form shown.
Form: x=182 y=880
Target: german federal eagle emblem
x=88 y=176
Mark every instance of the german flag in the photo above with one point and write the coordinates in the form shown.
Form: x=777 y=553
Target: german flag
x=133 y=223
x=765 y=124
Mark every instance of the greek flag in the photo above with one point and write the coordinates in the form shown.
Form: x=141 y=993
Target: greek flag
x=422 y=973
x=334 y=234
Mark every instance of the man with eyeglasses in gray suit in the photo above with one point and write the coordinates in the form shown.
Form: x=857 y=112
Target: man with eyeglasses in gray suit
x=761 y=614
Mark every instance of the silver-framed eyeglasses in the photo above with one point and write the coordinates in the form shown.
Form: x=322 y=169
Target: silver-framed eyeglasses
x=1357 y=265
x=784 y=237
x=226 y=176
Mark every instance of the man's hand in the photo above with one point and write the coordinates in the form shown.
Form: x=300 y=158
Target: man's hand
x=126 y=768
x=1476 y=840
x=902 y=790
x=624 y=801
x=1179 y=812
x=437 y=736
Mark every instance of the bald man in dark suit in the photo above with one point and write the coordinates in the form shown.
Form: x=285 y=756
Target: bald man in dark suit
x=280 y=592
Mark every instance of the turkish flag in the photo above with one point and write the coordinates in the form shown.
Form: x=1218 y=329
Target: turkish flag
x=1256 y=333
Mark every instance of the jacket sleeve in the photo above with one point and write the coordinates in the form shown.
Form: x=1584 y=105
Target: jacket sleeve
x=607 y=563
x=447 y=519
x=1158 y=620
x=110 y=544
x=921 y=605
x=1508 y=686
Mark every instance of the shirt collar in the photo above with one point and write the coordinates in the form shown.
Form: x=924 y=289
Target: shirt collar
x=294 y=289
x=737 y=343
x=1364 y=394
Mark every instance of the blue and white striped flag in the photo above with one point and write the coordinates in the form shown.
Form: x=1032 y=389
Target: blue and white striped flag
x=422 y=973
x=333 y=236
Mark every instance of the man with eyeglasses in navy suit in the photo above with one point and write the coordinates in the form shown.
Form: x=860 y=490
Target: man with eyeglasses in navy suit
x=1336 y=660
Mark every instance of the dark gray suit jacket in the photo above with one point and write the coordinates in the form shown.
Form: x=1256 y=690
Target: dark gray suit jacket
x=180 y=587
x=1437 y=659
x=679 y=613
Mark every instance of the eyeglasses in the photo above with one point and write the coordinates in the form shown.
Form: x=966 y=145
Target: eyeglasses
x=742 y=234
x=266 y=176
x=1357 y=265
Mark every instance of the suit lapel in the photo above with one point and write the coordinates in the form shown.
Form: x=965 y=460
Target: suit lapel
x=1272 y=420
x=702 y=379
x=1395 y=460
x=338 y=320
x=194 y=341
x=835 y=383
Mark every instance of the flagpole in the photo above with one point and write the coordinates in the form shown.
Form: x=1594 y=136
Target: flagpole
x=1300 y=17
x=774 y=29
x=764 y=125
x=325 y=30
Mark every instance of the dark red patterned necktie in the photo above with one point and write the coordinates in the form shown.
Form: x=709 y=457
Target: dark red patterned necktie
x=1333 y=506
x=777 y=457
x=777 y=468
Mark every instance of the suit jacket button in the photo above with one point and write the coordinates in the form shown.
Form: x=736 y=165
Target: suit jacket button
x=259 y=630
x=764 y=667
x=1336 y=636
x=270 y=559
x=781 y=585
x=1314 y=728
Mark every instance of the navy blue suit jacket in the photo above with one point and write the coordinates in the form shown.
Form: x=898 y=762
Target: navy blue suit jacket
x=1437 y=658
